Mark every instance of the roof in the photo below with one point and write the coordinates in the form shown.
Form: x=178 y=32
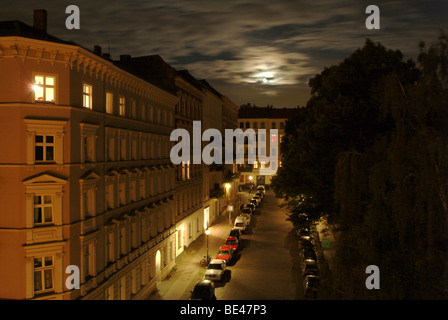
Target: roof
x=15 y=28
x=266 y=113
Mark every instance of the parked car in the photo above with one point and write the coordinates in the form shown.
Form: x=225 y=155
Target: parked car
x=305 y=243
x=235 y=233
x=203 y=290
x=251 y=206
x=309 y=266
x=215 y=270
x=262 y=189
x=308 y=253
x=233 y=242
x=247 y=216
x=260 y=194
x=257 y=198
x=246 y=211
x=225 y=253
x=240 y=223
x=254 y=202
x=311 y=286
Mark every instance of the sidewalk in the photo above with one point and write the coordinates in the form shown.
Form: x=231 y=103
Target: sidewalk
x=187 y=271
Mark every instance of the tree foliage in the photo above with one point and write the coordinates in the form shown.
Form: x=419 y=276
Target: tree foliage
x=369 y=152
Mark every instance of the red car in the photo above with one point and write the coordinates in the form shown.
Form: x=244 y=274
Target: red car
x=225 y=253
x=233 y=242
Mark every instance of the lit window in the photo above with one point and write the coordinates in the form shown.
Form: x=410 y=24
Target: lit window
x=43 y=209
x=44 y=88
x=44 y=148
x=273 y=138
x=87 y=96
x=43 y=274
x=109 y=102
x=122 y=106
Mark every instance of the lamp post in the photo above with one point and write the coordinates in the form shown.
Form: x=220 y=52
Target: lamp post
x=207 y=232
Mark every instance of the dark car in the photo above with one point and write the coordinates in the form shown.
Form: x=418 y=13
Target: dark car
x=203 y=290
x=310 y=286
x=235 y=233
x=305 y=243
x=308 y=253
x=247 y=210
x=254 y=202
x=260 y=194
x=251 y=206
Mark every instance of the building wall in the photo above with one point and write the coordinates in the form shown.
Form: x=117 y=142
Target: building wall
x=116 y=241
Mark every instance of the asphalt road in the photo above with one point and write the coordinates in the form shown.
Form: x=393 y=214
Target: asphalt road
x=266 y=266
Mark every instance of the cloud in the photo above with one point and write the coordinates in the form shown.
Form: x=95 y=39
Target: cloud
x=242 y=42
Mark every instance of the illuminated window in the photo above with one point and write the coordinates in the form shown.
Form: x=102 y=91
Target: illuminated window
x=122 y=106
x=44 y=88
x=273 y=138
x=109 y=102
x=43 y=274
x=255 y=164
x=87 y=96
x=43 y=209
x=44 y=148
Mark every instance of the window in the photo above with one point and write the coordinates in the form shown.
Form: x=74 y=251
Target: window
x=43 y=274
x=263 y=125
x=242 y=125
x=89 y=185
x=44 y=148
x=87 y=96
x=133 y=109
x=274 y=125
x=274 y=138
x=45 y=139
x=44 y=88
x=43 y=197
x=89 y=135
x=282 y=125
x=43 y=209
x=247 y=125
x=122 y=106
x=109 y=102
x=255 y=125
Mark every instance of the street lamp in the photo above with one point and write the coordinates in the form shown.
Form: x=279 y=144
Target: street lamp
x=207 y=232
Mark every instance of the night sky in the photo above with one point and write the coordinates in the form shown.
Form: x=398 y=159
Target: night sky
x=262 y=52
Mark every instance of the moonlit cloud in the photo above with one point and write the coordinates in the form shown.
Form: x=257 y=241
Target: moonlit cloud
x=263 y=52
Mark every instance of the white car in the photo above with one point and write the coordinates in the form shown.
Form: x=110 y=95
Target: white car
x=215 y=270
x=240 y=223
x=247 y=216
x=261 y=189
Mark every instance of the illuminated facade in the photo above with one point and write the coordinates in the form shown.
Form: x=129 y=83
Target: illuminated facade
x=85 y=174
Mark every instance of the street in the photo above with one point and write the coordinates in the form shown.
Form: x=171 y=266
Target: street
x=266 y=266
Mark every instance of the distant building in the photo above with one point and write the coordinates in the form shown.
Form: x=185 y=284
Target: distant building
x=252 y=117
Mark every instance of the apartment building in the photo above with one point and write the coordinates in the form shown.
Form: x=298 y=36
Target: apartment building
x=85 y=174
x=252 y=117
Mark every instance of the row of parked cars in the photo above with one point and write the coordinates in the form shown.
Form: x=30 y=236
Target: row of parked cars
x=215 y=271
x=307 y=252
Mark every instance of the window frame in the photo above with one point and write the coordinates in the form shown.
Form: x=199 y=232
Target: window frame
x=44 y=86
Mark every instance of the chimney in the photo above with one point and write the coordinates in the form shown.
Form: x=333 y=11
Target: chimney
x=97 y=50
x=40 y=20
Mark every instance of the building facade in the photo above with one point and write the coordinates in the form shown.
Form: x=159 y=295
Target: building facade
x=251 y=117
x=86 y=178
